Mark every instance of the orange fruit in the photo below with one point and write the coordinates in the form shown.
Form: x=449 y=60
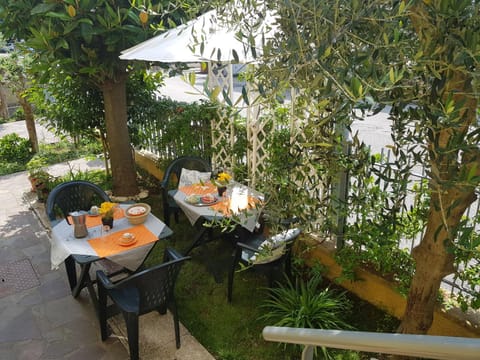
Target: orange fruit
x=143 y=17
x=71 y=11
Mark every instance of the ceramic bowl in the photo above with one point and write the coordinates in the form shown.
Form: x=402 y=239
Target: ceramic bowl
x=137 y=213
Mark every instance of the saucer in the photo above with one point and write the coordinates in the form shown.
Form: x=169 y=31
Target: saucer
x=126 y=241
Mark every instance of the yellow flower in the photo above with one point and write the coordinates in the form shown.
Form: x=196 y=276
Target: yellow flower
x=223 y=178
x=107 y=209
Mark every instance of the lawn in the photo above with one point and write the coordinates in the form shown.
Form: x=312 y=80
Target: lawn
x=233 y=331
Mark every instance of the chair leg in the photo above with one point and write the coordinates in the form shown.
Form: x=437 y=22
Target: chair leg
x=131 y=319
x=231 y=274
x=288 y=266
x=166 y=215
x=270 y=275
x=174 y=311
x=102 y=312
x=230 y=284
x=162 y=310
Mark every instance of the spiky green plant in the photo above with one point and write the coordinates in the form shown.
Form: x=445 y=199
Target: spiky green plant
x=305 y=305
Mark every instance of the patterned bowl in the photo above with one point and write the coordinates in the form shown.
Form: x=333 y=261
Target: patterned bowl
x=137 y=213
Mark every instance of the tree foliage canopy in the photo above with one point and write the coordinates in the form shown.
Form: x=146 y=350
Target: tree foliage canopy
x=419 y=57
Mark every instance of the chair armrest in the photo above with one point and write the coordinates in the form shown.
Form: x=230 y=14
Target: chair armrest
x=103 y=279
x=172 y=254
x=247 y=247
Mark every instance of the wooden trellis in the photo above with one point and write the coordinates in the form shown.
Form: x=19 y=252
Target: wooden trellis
x=223 y=131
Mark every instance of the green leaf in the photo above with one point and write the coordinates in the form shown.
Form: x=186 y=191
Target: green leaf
x=235 y=56
x=215 y=92
x=61 y=16
x=357 y=87
x=192 y=78
x=245 y=95
x=42 y=8
x=472 y=172
x=391 y=75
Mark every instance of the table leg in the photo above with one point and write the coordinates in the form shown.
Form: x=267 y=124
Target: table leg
x=199 y=239
x=71 y=272
x=83 y=279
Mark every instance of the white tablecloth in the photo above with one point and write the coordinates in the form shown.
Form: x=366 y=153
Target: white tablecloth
x=64 y=244
x=247 y=219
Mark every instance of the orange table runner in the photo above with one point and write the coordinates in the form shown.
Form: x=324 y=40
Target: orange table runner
x=109 y=245
x=92 y=221
x=223 y=206
x=199 y=189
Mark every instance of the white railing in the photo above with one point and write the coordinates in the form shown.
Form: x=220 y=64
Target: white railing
x=424 y=346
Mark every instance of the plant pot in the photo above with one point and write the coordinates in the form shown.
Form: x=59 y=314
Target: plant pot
x=107 y=222
x=221 y=190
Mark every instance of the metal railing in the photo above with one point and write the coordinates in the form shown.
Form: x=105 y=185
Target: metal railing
x=423 y=346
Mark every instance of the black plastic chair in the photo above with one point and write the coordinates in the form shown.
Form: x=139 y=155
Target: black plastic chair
x=170 y=181
x=272 y=263
x=63 y=199
x=146 y=291
x=73 y=195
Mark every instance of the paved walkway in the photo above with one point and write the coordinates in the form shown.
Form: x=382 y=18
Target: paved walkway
x=40 y=319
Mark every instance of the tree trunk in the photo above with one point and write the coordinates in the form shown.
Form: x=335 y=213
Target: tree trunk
x=433 y=260
x=3 y=103
x=452 y=189
x=29 y=122
x=121 y=155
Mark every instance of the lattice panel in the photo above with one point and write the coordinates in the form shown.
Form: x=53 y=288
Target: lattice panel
x=223 y=139
x=223 y=136
x=220 y=74
x=256 y=137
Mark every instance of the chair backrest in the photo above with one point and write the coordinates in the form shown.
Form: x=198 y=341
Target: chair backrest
x=155 y=286
x=74 y=195
x=174 y=169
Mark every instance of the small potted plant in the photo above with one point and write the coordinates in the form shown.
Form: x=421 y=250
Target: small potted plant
x=107 y=210
x=39 y=177
x=40 y=180
x=221 y=182
x=37 y=173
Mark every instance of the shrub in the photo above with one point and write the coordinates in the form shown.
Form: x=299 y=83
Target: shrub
x=14 y=148
x=304 y=305
x=19 y=114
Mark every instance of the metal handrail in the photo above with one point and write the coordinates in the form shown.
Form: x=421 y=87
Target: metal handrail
x=425 y=346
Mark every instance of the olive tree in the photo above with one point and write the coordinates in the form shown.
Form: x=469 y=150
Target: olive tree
x=421 y=58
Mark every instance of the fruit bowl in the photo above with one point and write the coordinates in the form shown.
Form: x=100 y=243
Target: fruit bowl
x=137 y=213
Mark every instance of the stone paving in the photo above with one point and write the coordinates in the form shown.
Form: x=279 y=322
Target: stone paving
x=40 y=319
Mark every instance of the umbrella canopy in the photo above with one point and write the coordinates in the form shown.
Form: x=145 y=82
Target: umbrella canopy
x=201 y=39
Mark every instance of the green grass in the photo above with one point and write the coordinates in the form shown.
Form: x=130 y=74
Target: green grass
x=233 y=331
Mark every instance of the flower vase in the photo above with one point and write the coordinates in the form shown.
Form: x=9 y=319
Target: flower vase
x=107 y=221
x=221 y=190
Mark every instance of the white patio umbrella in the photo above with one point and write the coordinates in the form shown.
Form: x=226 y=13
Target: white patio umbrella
x=201 y=39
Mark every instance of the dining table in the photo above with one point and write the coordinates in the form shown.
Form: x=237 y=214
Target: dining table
x=202 y=204
x=102 y=243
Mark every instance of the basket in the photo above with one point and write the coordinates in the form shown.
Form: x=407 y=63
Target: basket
x=137 y=213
